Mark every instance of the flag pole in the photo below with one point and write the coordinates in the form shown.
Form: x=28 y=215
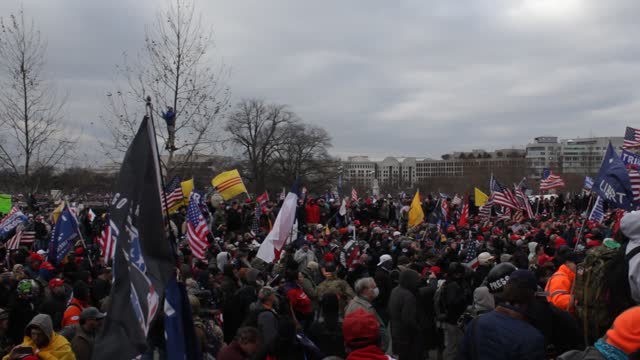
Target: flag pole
x=584 y=221
x=167 y=225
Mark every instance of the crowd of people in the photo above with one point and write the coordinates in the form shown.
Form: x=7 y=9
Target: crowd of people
x=357 y=285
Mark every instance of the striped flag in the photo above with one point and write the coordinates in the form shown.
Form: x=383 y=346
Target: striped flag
x=634 y=177
x=260 y=202
x=107 y=241
x=550 y=180
x=464 y=214
x=518 y=216
x=354 y=194
x=523 y=200
x=597 y=213
x=632 y=162
x=197 y=229
x=229 y=184
x=501 y=195
x=444 y=205
x=485 y=210
x=172 y=194
x=631 y=138
x=503 y=213
x=22 y=237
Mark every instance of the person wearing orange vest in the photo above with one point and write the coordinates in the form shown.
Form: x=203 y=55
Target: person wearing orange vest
x=79 y=302
x=559 y=287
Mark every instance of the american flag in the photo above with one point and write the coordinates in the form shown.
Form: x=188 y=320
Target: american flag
x=634 y=177
x=518 y=216
x=631 y=138
x=107 y=241
x=172 y=193
x=523 y=200
x=597 y=213
x=550 y=180
x=503 y=213
x=260 y=202
x=485 y=210
x=444 y=205
x=197 y=229
x=501 y=195
x=21 y=237
x=354 y=194
x=464 y=214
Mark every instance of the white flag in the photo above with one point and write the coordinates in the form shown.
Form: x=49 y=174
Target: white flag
x=343 y=208
x=281 y=229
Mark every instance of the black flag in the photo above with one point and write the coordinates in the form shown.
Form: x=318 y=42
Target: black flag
x=143 y=260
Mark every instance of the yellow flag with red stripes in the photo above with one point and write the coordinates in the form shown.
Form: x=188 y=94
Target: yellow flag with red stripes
x=229 y=184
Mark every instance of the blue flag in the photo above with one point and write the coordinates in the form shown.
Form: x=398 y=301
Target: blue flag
x=613 y=183
x=178 y=324
x=588 y=183
x=11 y=221
x=63 y=236
x=597 y=213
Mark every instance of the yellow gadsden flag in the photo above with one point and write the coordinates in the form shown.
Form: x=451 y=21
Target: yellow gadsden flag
x=187 y=188
x=481 y=197
x=229 y=184
x=416 y=215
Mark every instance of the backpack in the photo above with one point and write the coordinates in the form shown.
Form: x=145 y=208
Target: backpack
x=601 y=289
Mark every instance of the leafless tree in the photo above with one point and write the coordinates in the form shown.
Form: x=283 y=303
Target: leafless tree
x=304 y=153
x=31 y=111
x=175 y=71
x=259 y=130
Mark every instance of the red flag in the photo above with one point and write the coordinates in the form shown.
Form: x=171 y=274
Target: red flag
x=262 y=199
x=464 y=214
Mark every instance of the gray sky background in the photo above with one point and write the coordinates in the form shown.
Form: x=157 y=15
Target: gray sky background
x=420 y=77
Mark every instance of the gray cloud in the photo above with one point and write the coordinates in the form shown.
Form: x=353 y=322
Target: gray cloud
x=384 y=78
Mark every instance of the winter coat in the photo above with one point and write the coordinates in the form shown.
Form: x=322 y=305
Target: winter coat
x=58 y=347
x=383 y=280
x=232 y=351
x=72 y=314
x=327 y=335
x=499 y=336
x=333 y=285
x=589 y=353
x=559 y=289
x=313 y=213
x=82 y=344
x=403 y=306
x=371 y=352
x=361 y=303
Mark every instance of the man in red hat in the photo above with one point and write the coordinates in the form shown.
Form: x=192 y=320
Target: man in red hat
x=361 y=333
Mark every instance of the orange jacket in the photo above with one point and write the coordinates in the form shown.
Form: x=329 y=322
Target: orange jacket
x=560 y=287
x=72 y=314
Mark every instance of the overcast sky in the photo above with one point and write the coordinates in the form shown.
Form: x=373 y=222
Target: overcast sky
x=415 y=78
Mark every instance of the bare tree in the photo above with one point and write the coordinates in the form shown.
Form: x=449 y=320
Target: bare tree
x=175 y=71
x=303 y=153
x=258 y=129
x=31 y=112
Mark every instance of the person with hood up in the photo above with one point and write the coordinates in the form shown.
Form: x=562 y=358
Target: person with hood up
x=326 y=330
x=505 y=333
x=362 y=337
x=453 y=301
x=44 y=342
x=403 y=315
x=621 y=342
x=237 y=309
x=630 y=227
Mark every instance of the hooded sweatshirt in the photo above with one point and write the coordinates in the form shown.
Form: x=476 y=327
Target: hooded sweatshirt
x=630 y=227
x=58 y=347
x=483 y=300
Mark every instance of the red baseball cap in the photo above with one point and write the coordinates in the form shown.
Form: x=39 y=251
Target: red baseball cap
x=55 y=282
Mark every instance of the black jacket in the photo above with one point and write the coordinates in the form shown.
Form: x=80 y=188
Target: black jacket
x=403 y=306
